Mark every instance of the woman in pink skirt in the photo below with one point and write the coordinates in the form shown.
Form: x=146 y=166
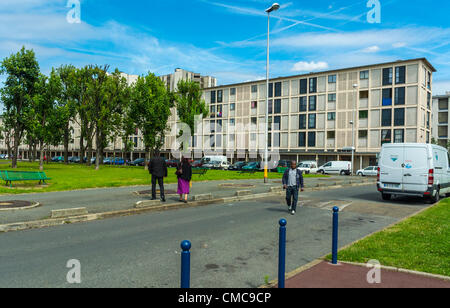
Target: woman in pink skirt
x=184 y=174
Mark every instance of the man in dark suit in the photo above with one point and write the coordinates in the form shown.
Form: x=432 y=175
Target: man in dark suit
x=292 y=183
x=158 y=169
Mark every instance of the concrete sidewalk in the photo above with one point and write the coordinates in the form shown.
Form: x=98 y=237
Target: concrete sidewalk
x=124 y=198
x=326 y=275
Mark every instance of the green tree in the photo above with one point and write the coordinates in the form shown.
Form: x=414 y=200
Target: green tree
x=189 y=104
x=22 y=70
x=48 y=123
x=150 y=109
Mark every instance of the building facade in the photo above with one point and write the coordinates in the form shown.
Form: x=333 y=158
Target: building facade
x=311 y=115
x=441 y=119
x=172 y=80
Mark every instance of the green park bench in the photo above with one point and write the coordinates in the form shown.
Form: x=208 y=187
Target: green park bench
x=199 y=171
x=19 y=176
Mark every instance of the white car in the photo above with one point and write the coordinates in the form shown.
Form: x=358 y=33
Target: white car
x=369 y=171
x=413 y=169
x=336 y=167
x=308 y=168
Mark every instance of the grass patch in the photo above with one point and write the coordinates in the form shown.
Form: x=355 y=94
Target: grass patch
x=420 y=243
x=74 y=176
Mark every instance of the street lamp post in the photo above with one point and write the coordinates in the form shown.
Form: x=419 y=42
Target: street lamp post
x=273 y=8
x=353 y=122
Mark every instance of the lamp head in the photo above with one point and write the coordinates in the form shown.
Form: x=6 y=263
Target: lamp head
x=273 y=8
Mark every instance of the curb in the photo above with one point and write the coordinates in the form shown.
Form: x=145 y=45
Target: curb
x=44 y=223
x=34 y=205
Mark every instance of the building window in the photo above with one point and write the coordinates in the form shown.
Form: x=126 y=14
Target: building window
x=254 y=121
x=429 y=100
x=219 y=111
x=399 y=136
x=386 y=117
x=277 y=106
x=277 y=122
x=302 y=121
x=311 y=139
x=362 y=134
x=219 y=126
x=302 y=139
x=331 y=116
x=303 y=86
x=400 y=96
x=332 y=97
x=220 y=96
x=212 y=126
x=386 y=136
x=232 y=122
x=303 y=104
x=312 y=103
x=387 y=76
x=255 y=89
x=429 y=81
x=233 y=91
x=232 y=107
x=277 y=89
x=363 y=114
x=270 y=89
x=332 y=79
x=212 y=111
x=254 y=105
x=364 y=75
x=313 y=85
x=213 y=97
x=400 y=72
x=331 y=134
x=312 y=121
x=271 y=107
x=399 y=117
x=363 y=94
x=387 y=97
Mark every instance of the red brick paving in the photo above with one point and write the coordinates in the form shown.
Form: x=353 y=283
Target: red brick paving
x=326 y=275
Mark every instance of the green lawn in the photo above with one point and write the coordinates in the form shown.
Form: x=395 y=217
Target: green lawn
x=71 y=177
x=420 y=243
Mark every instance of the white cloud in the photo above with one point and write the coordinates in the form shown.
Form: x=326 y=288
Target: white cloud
x=309 y=66
x=371 y=49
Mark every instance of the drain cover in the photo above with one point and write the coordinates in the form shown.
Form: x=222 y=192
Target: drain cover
x=14 y=204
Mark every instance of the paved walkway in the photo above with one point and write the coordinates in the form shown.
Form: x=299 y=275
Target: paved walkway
x=326 y=275
x=114 y=199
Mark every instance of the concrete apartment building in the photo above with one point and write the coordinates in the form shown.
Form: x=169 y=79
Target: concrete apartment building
x=314 y=111
x=441 y=119
x=172 y=80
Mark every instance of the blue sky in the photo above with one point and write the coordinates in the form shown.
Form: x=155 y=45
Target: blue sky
x=226 y=38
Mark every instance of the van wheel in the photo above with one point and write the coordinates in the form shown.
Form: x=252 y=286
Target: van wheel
x=436 y=198
x=321 y=172
x=386 y=197
x=343 y=172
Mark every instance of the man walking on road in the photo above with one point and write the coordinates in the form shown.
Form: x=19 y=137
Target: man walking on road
x=292 y=183
x=158 y=169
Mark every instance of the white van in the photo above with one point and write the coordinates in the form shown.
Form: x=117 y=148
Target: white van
x=209 y=159
x=413 y=169
x=336 y=167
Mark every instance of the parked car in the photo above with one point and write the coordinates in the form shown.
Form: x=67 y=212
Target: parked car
x=308 y=168
x=237 y=166
x=252 y=166
x=369 y=171
x=413 y=169
x=138 y=162
x=197 y=164
x=172 y=163
x=58 y=159
x=336 y=167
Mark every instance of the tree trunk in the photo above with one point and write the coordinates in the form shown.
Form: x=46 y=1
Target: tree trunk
x=15 y=150
x=66 y=144
x=30 y=152
x=146 y=159
x=82 y=149
x=35 y=151
x=97 y=146
x=41 y=156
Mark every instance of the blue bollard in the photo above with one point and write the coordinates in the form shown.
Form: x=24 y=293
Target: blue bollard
x=334 y=259
x=282 y=254
x=185 y=264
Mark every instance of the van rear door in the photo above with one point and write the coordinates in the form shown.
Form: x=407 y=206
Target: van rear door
x=416 y=167
x=391 y=170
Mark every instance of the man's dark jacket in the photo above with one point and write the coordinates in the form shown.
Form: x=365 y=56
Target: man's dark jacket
x=299 y=178
x=157 y=167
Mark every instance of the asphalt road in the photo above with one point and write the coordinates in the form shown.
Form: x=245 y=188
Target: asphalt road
x=233 y=245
